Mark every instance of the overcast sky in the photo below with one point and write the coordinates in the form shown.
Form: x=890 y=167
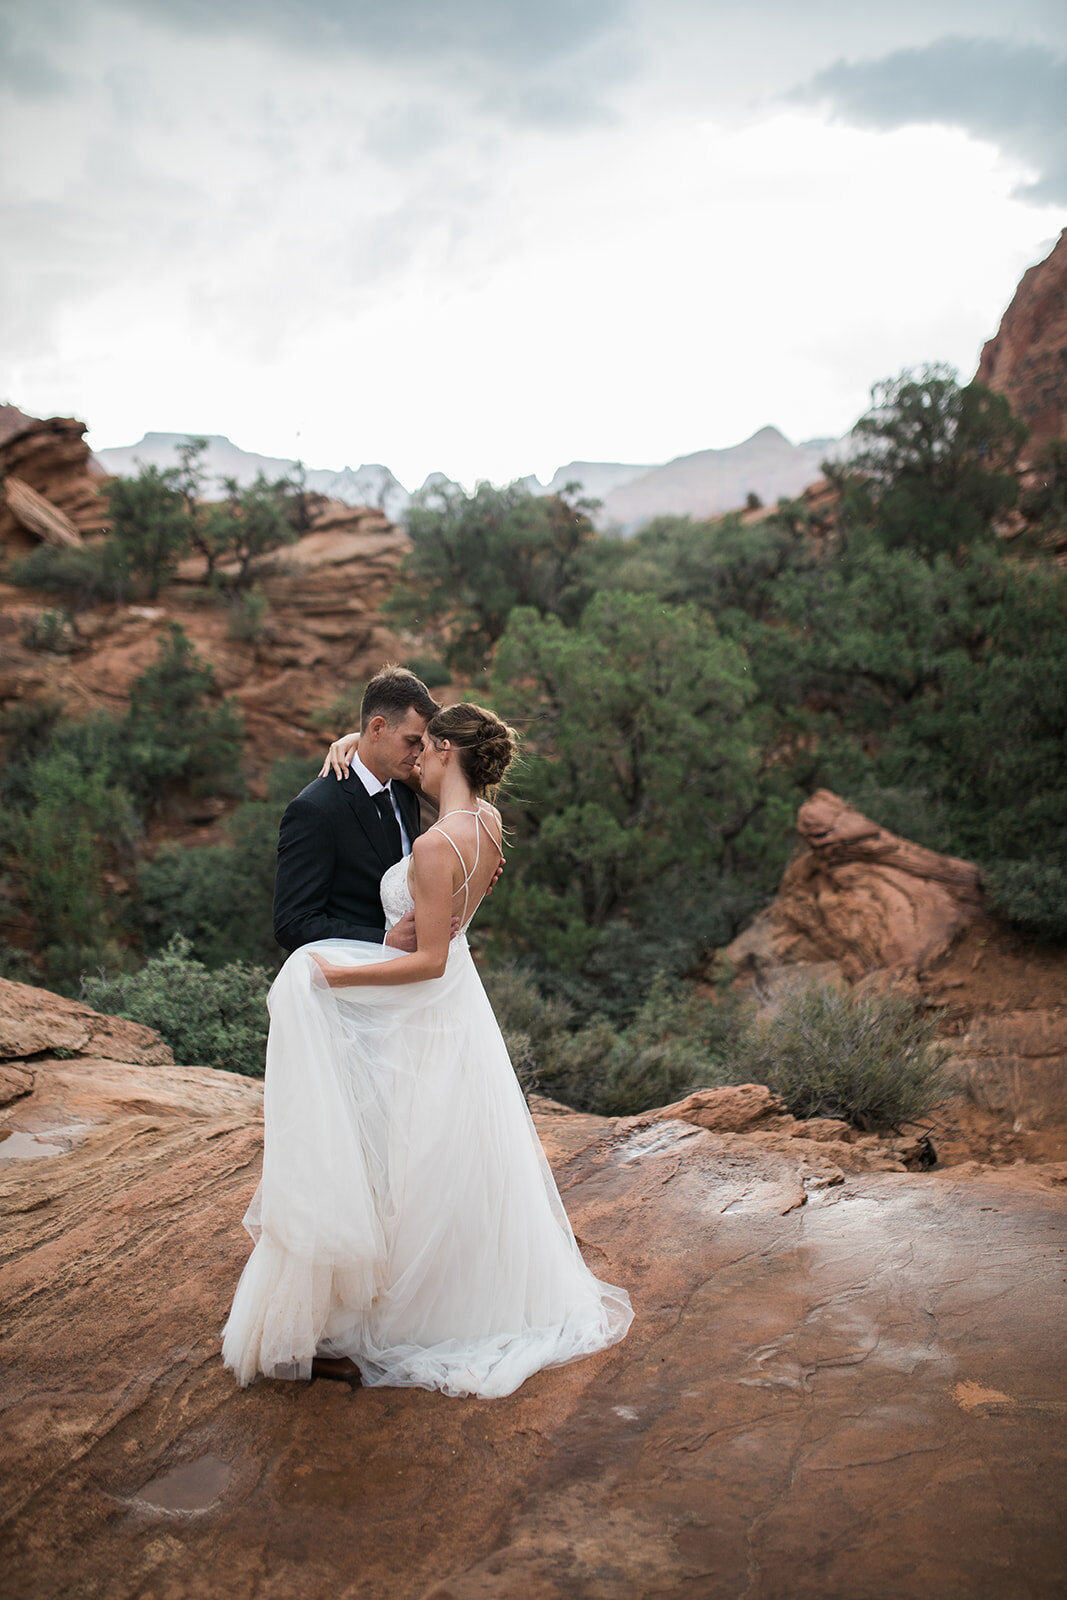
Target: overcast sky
x=489 y=236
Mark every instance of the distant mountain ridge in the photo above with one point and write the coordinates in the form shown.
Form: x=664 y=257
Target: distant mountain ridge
x=711 y=482
x=368 y=485
x=706 y=483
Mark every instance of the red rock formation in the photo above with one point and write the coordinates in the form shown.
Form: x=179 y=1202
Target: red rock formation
x=53 y=459
x=34 y=1020
x=857 y=902
x=1026 y=361
x=860 y=898
x=809 y=1396
x=322 y=634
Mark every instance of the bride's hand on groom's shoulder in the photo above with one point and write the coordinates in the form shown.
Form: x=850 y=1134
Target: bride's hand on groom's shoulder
x=338 y=756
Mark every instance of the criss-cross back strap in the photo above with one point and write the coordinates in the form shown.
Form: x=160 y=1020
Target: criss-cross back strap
x=468 y=875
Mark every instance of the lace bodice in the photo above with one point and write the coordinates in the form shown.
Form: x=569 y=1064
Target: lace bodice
x=396 y=896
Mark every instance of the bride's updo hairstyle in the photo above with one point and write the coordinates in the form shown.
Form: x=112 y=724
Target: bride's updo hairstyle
x=486 y=745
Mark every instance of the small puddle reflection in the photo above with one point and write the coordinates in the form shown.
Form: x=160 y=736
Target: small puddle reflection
x=20 y=1146
x=193 y=1487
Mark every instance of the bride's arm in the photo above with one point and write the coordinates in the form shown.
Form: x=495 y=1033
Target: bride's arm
x=338 y=756
x=433 y=865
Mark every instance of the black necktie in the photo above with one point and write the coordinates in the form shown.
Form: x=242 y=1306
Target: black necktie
x=394 y=844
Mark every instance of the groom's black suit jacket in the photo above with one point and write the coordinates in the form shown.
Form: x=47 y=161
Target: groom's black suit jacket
x=332 y=851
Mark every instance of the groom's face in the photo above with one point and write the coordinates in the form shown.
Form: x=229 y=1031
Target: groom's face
x=391 y=752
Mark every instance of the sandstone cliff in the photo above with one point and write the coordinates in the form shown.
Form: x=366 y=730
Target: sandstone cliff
x=1026 y=360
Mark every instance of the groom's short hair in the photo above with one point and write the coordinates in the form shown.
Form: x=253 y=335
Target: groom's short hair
x=392 y=693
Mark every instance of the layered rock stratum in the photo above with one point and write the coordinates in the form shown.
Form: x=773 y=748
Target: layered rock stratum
x=842 y=1390
x=322 y=633
x=49 y=484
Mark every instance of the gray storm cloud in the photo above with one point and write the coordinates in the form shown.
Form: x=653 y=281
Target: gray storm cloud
x=1013 y=96
x=513 y=33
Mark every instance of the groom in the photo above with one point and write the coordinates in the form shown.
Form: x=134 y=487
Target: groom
x=338 y=838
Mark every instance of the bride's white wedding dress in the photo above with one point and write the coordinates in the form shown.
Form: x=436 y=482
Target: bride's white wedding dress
x=407 y=1216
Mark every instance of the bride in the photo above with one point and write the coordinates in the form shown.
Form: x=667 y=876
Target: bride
x=407 y=1218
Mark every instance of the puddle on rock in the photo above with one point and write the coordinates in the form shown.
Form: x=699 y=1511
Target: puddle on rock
x=20 y=1146
x=195 y=1486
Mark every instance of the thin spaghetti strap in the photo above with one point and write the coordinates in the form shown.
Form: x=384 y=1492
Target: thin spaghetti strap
x=452 y=842
x=480 y=814
x=465 y=886
x=468 y=874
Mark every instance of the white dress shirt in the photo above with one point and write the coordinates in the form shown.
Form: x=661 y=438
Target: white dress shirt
x=375 y=786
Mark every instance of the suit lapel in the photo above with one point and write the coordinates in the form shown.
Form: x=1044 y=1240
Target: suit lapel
x=366 y=814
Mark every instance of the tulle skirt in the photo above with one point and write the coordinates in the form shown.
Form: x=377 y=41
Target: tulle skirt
x=407 y=1216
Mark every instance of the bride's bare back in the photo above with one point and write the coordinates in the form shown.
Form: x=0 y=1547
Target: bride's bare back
x=469 y=832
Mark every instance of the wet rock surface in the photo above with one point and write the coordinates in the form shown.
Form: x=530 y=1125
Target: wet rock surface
x=861 y=1395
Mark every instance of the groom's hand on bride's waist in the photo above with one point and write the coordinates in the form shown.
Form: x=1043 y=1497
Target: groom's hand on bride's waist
x=401 y=935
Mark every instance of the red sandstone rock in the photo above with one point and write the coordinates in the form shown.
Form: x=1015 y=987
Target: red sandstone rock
x=322 y=633
x=33 y=1021
x=733 y=1109
x=858 y=903
x=858 y=898
x=810 y=1395
x=52 y=458
x=38 y=515
x=1026 y=361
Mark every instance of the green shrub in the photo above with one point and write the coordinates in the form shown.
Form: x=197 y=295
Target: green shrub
x=209 y=1018
x=87 y=575
x=51 y=631
x=675 y=1043
x=174 y=733
x=74 y=818
x=342 y=714
x=247 y=615
x=221 y=896
x=534 y=1027
x=1032 y=894
x=870 y=1059
x=432 y=671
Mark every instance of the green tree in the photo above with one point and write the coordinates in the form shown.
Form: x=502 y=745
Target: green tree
x=475 y=558
x=191 y=480
x=219 y=897
x=176 y=731
x=638 y=784
x=74 y=822
x=721 y=565
x=251 y=523
x=149 y=525
x=939 y=459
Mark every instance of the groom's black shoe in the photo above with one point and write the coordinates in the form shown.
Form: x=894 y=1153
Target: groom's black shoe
x=340 y=1368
